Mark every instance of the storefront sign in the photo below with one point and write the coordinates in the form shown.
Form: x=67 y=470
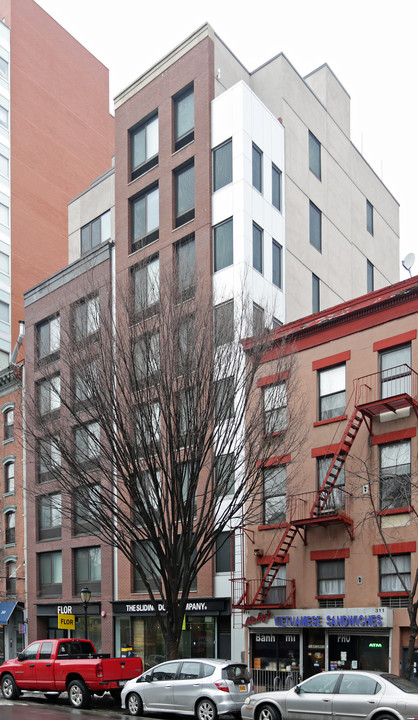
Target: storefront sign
x=44 y=610
x=349 y=618
x=208 y=606
x=255 y=619
x=330 y=621
x=66 y=622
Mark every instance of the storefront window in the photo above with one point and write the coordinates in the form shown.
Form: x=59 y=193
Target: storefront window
x=94 y=630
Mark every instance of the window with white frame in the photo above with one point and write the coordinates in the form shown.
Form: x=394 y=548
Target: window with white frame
x=274 y=495
x=315 y=226
x=336 y=500
x=314 y=155
x=395 y=475
x=144 y=145
x=223 y=247
x=223 y=321
x=275 y=408
x=87 y=442
x=369 y=217
x=257 y=247
x=395 y=573
x=9 y=476
x=10 y=523
x=331 y=577
x=48 y=338
x=276 y=187
x=9 y=423
x=225 y=552
x=331 y=392
x=145 y=217
x=257 y=168
x=395 y=371
x=316 y=299
x=10 y=567
x=277 y=251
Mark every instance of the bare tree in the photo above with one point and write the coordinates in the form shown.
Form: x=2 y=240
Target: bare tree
x=150 y=422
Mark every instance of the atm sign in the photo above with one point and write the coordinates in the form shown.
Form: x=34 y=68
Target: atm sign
x=66 y=622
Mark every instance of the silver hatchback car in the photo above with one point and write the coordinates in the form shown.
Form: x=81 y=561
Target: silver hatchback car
x=201 y=687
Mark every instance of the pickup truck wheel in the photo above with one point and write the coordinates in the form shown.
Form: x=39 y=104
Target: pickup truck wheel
x=9 y=688
x=134 y=704
x=78 y=694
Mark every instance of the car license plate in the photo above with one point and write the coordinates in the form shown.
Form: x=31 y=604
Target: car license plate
x=122 y=683
x=242 y=688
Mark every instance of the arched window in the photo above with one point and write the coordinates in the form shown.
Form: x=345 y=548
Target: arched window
x=9 y=422
x=10 y=573
x=10 y=522
x=9 y=476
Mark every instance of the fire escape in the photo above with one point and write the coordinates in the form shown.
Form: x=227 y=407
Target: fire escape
x=388 y=391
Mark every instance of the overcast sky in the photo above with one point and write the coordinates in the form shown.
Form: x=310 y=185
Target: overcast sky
x=371 y=45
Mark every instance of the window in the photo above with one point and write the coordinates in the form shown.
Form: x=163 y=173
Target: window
x=331 y=577
x=224 y=553
x=86 y=383
x=370 y=219
x=257 y=157
x=95 y=232
x=146 y=285
x=4 y=263
x=315 y=226
x=10 y=578
x=148 y=487
x=10 y=522
x=331 y=392
x=4 y=312
x=223 y=245
x=87 y=569
x=277 y=264
x=392 y=570
x=146 y=558
x=4 y=117
x=49 y=395
x=186 y=344
x=223 y=320
x=370 y=276
x=395 y=475
x=50 y=574
x=4 y=69
x=336 y=501
x=46 y=650
x=48 y=338
x=144 y=145
x=145 y=218
x=49 y=516
x=224 y=399
x=360 y=685
x=257 y=248
x=395 y=371
x=316 y=301
x=148 y=427
x=184 y=193
x=87 y=442
x=4 y=166
x=147 y=358
x=274 y=495
x=86 y=318
x=48 y=458
x=314 y=155
x=9 y=423
x=275 y=408
x=185 y=267
x=84 y=517
x=224 y=475
x=276 y=187
x=183 y=108
x=258 y=319
x=222 y=165
x=9 y=477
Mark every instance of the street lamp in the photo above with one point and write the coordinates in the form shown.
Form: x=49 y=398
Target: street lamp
x=85 y=595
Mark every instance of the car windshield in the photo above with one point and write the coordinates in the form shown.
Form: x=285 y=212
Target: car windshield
x=236 y=673
x=405 y=685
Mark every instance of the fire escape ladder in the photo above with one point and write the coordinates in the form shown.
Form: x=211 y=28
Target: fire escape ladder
x=275 y=563
x=337 y=463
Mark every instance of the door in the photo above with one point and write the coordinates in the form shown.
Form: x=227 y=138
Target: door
x=158 y=692
x=45 y=667
x=357 y=697
x=187 y=687
x=26 y=667
x=313 y=698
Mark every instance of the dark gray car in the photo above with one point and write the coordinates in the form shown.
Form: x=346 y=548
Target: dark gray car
x=205 y=688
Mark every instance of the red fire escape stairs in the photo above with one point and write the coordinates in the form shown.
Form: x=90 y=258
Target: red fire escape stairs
x=318 y=511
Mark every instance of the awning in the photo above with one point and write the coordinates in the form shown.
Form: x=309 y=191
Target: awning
x=6 y=609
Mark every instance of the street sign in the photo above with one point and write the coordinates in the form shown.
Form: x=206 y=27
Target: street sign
x=66 y=622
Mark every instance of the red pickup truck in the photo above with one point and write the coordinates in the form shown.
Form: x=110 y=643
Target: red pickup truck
x=66 y=665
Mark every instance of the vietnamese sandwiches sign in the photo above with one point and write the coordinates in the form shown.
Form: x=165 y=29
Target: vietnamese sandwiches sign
x=355 y=618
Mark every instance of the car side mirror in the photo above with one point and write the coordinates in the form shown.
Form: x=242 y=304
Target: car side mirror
x=297 y=689
x=20 y=656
